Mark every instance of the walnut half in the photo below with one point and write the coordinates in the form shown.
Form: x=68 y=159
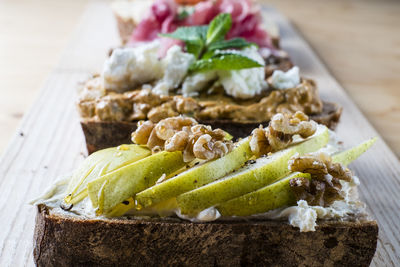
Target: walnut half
x=324 y=187
x=280 y=131
x=183 y=134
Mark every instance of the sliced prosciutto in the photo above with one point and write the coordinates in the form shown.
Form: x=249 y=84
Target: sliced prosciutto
x=163 y=18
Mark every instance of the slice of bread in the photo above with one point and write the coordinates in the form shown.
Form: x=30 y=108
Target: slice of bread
x=104 y=134
x=66 y=240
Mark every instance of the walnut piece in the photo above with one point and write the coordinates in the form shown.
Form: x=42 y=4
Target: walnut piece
x=183 y=134
x=280 y=131
x=324 y=187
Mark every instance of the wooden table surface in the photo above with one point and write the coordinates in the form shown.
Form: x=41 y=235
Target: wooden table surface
x=358 y=40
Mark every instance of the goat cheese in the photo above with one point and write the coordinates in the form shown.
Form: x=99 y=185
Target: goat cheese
x=197 y=82
x=128 y=68
x=176 y=65
x=245 y=83
x=286 y=80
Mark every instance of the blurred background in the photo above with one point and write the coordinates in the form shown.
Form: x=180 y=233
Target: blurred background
x=359 y=41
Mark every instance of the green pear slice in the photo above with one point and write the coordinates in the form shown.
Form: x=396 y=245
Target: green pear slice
x=347 y=156
x=115 y=187
x=268 y=198
x=100 y=163
x=279 y=193
x=197 y=176
x=122 y=208
x=163 y=209
x=263 y=172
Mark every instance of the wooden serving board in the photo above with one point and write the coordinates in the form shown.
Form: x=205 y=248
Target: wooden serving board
x=50 y=143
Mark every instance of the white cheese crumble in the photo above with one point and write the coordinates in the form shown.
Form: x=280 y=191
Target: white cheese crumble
x=176 y=65
x=133 y=66
x=286 y=80
x=305 y=217
x=207 y=215
x=197 y=82
x=128 y=68
x=245 y=83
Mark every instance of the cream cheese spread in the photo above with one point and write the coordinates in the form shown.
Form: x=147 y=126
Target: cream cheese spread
x=286 y=80
x=302 y=216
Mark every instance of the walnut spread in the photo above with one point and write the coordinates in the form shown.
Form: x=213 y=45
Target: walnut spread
x=142 y=104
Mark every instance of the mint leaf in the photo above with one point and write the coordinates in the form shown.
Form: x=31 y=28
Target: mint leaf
x=183 y=15
x=194 y=38
x=195 y=48
x=219 y=27
x=224 y=61
x=232 y=43
x=193 y=34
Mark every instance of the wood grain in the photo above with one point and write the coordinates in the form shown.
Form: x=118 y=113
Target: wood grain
x=50 y=143
x=359 y=41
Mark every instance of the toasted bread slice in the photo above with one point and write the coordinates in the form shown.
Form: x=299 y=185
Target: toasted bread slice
x=104 y=134
x=70 y=240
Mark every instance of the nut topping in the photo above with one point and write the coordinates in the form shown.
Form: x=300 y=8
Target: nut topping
x=183 y=134
x=324 y=187
x=280 y=131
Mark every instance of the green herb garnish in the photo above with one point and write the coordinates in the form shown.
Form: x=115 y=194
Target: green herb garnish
x=183 y=15
x=207 y=43
x=226 y=61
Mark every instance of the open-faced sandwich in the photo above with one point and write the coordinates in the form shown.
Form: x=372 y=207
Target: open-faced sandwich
x=185 y=194
x=196 y=71
x=143 y=21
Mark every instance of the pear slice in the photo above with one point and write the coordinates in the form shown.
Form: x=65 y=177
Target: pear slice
x=100 y=163
x=113 y=188
x=197 y=176
x=162 y=209
x=268 y=198
x=279 y=193
x=122 y=208
x=263 y=172
x=347 y=156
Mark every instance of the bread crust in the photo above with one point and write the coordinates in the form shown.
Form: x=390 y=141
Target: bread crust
x=104 y=134
x=71 y=241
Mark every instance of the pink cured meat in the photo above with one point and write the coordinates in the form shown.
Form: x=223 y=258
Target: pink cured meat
x=204 y=12
x=162 y=18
